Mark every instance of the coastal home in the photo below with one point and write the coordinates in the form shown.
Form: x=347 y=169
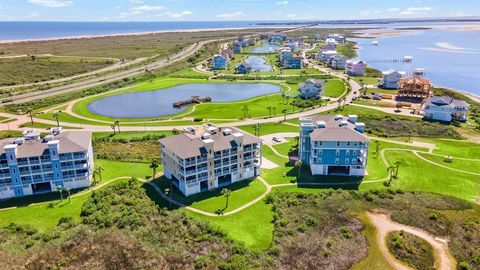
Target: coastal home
x=236 y=47
x=284 y=53
x=227 y=53
x=240 y=38
x=338 y=62
x=325 y=56
x=390 y=79
x=328 y=47
x=355 y=67
x=312 y=88
x=243 y=68
x=336 y=37
x=295 y=62
x=446 y=109
x=317 y=37
x=292 y=45
x=414 y=88
x=331 y=41
x=219 y=62
x=264 y=35
x=245 y=43
x=251 y=42
x=333 y=145
x=277 y=38
x=196 y=163
x=33 y=165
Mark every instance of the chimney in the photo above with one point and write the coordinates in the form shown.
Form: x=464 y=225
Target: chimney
x=11 y=153
x=54 y=147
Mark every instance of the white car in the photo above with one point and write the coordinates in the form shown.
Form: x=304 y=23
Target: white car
x=275 y=139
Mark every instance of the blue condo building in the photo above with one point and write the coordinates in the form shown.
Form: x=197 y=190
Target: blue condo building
x=333 y=145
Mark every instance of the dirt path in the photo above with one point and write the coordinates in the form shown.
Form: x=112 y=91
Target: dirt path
x=384 y=225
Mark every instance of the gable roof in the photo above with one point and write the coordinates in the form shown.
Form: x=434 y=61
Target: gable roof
x=447 y=101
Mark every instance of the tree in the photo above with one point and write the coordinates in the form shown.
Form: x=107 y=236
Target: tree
x=293 y=106
x=117 y=123
x=284 y=111
x=269 y=108
x=397 y=167
x=283 y=97
x=256 y=127
x=113 y=128
x=344 y=100
x=377 y=147
x=339 y=104
x=287 y=99
x=56 y=115
x=154 y=166
x=30 y=113
x=246 y=111
x=226 y=193
x=298 y=164
x=390 y=173
x=59 y=189
x=97 y=172
x=398 y=105
x=69 y=190
x=274 y=111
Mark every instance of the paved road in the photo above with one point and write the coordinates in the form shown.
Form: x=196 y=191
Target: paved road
x=191 y=50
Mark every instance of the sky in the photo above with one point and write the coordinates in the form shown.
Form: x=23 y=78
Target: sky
x=214 y=10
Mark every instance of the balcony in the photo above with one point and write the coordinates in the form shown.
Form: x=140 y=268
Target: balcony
x=190 y=163
x=190 y=172
x=202 y=169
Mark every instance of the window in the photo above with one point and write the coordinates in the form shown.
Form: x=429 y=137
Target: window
x=347 y=152
x=320 y=152
x=348 y=143
x=320 y=143
x=347 y=161
x=354 y=161
x=338 y=143
x=337 y=152
x=337 y=161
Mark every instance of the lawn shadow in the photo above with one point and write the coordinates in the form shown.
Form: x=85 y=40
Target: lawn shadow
x=52 y=197
x=307 y=180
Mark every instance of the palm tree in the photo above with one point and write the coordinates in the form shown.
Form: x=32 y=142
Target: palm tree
x=293 y=106
x=377 y=148
x=287 y=98
x=397 y=166
x=344 y=100
x=59 y=189
x=56 y=115
x=154 y=166
x=283 y=97
x=390 y=173
x=226 y=193
x=68 y=192
x=246 y=111
x=30 y=113
x=117 y=123
x=274 y=111
x=298 y=164
x=97 y=172
x=114 y=130
x=284 y=111
x=339 y=103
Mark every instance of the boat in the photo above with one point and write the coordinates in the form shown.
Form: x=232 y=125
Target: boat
x=408 y=58
x=375 y=43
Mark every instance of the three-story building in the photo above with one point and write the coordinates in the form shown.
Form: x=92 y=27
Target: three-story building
x=333 y=145
x=196 y=163
x=33 y=165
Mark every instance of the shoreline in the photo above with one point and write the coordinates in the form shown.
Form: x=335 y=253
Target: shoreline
x=134 y=34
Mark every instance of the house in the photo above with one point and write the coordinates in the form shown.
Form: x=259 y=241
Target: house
x=265 y=35
x=338 y=39
x=219 y=62
x=277 y=38
x=312 y=88
x=227 y=53
x=293 y=62
x=338 y=62
x=243 y=68
x=244 y=43
x=33 y=165
x=292 y=45
x=446 y=109
x=328 y=47
x=240 y=38
x=390 y=79
x=284 y=53
x=414 y=87
x=237 y=47
x=333 y=145
x=197 y=163
x=355 y=67
x=325 y=56
x=331 y=41
x=317 y=37
x=251 y=42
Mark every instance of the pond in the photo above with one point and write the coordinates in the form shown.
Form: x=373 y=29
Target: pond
x=266 y=48
x=258 y=63
x=160 y=102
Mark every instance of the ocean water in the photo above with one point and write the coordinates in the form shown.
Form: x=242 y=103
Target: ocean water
x=12 y=31
x=450 y=58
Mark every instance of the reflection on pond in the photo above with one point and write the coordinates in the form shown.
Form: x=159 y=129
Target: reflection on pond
x=160 y=102
x=266 y=48
x=258 y=63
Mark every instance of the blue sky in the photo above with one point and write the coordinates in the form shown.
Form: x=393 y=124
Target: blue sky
x=207 y=10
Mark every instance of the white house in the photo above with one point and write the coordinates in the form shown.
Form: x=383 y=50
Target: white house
x=312 y=88
x=325 y=56
x=391 y=78
x=355 y=67
x=446 y=109
x=338 y=62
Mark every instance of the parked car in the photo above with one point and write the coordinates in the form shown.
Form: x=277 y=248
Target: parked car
x=275 y=139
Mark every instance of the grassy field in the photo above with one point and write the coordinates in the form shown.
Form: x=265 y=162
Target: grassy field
x=411 y=249
x=45 y=216
x=334 y=88
x=42 y=125
x=24 y=70
x=366 y=80
x=269 y=128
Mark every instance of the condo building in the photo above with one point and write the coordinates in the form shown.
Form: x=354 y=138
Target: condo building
x=33 y=165
x=212 y=159
x=333 y=145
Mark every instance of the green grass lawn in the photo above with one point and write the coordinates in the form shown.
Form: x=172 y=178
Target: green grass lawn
x=459 y=164
x=463 y=149
x=45 y=216
x=42 y=125
x=334 y=88
x=212 y=201
x=187 y=72
x=130 y=134
x=286 y=147
x=366 y=80
x=269 y=128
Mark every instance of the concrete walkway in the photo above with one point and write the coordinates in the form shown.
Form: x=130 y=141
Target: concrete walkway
x=384 y=225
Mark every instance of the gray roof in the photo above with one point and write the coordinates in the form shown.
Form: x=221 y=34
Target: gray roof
x=188 y=145
x=69 y=142
x=446 y=101
x=333 y=132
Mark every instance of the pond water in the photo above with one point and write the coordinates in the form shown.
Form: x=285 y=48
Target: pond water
x=450 y=58
x=266 y=48
x=160 y=102
x=258 y=63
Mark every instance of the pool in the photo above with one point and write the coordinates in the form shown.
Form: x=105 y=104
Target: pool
x=266 y=48
x=258 y=63
x=157 y=103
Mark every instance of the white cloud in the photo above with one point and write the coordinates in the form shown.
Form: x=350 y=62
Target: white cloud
x=393 y=9
x=51 y=3
x=230 y=15
x=282 y=2
x=416 y=11
x=148 y=8
x=178 y=14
